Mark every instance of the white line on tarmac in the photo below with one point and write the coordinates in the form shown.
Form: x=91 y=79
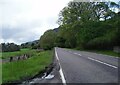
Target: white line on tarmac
x=60 y=71
x=103 y=62
x=77 y=54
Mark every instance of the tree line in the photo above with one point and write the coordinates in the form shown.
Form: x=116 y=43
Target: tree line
x=85 y=25
x=33 y=44
x=9 y=47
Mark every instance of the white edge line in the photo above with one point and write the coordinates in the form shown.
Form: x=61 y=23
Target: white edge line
x=102 y=62
x=60 y=71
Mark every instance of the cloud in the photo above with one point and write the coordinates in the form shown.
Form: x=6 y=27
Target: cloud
x=19 y=35
x=27 y=20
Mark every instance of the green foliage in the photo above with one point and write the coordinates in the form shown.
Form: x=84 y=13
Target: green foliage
x=17 y=53
x=9 y=47
x=104 y=42
x=91 y=25
x=47 y=41
x=33 y=44
x=69 y=34
x=83 y=11
x=107 y=52
x=81 y=27
x=60 y=41
x=26 y=68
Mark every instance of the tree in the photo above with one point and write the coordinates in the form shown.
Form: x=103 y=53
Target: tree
x=82 y=23
x=83 y=11
x=9 y=47
x=47 y=40
x=60 y=41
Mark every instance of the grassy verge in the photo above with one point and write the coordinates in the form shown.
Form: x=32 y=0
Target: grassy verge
x=106 y=52
x=0 y=68
x=0 y=73
x=16 y=53
x=26 y=68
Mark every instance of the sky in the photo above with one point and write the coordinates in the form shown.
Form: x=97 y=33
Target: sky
x=26 y=20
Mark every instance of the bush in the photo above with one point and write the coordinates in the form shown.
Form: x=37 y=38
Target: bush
x=47 y=40
x=9 y=47
x=104 y=42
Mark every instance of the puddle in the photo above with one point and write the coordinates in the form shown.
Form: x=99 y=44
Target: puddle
x=41 y=79
x=37 y=80
x=49 y=76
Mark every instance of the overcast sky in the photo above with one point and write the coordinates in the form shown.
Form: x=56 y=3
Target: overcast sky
x=27 y=20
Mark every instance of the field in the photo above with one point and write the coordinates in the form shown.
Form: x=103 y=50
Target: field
x=26 y=68
x=16 y=53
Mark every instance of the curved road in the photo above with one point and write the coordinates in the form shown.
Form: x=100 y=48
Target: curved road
x=86 y=67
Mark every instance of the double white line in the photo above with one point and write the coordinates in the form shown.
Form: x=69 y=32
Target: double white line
x=60 y=71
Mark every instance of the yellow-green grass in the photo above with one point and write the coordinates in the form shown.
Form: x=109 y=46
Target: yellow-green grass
x=0 y=69
x=16 y=53
x=26 y=68
x=108 y=52
x=0 y=73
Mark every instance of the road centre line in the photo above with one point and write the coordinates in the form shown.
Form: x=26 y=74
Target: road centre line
x=102 y=62
x=98 y=61
x=60 y=71
x=77 y=54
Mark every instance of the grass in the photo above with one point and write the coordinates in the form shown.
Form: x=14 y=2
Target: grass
x=0 y=69
x=0 y=55
x=26 y=68
x=0 y=73
x=107 y=52
x=16 y=53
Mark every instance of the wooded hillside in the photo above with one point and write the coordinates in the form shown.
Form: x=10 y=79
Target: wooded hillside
x=85 y=25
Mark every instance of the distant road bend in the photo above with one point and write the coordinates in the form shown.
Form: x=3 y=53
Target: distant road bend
x=86 y=67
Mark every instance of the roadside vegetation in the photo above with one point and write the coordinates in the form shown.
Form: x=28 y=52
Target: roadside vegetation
x=107 y=52
x=88 y=26
x=9 y=47
x=17 y=53
x=18 y=70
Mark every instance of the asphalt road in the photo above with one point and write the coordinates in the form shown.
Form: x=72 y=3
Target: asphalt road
x=86 y=67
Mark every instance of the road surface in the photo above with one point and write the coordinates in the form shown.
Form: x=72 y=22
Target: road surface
x=86 y=67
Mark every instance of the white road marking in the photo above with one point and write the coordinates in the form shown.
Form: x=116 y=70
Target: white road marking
x=102 y=62
x=60 y=71
x=77 y=54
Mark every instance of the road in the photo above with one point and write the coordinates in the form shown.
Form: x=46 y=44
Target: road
x=86 y=67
